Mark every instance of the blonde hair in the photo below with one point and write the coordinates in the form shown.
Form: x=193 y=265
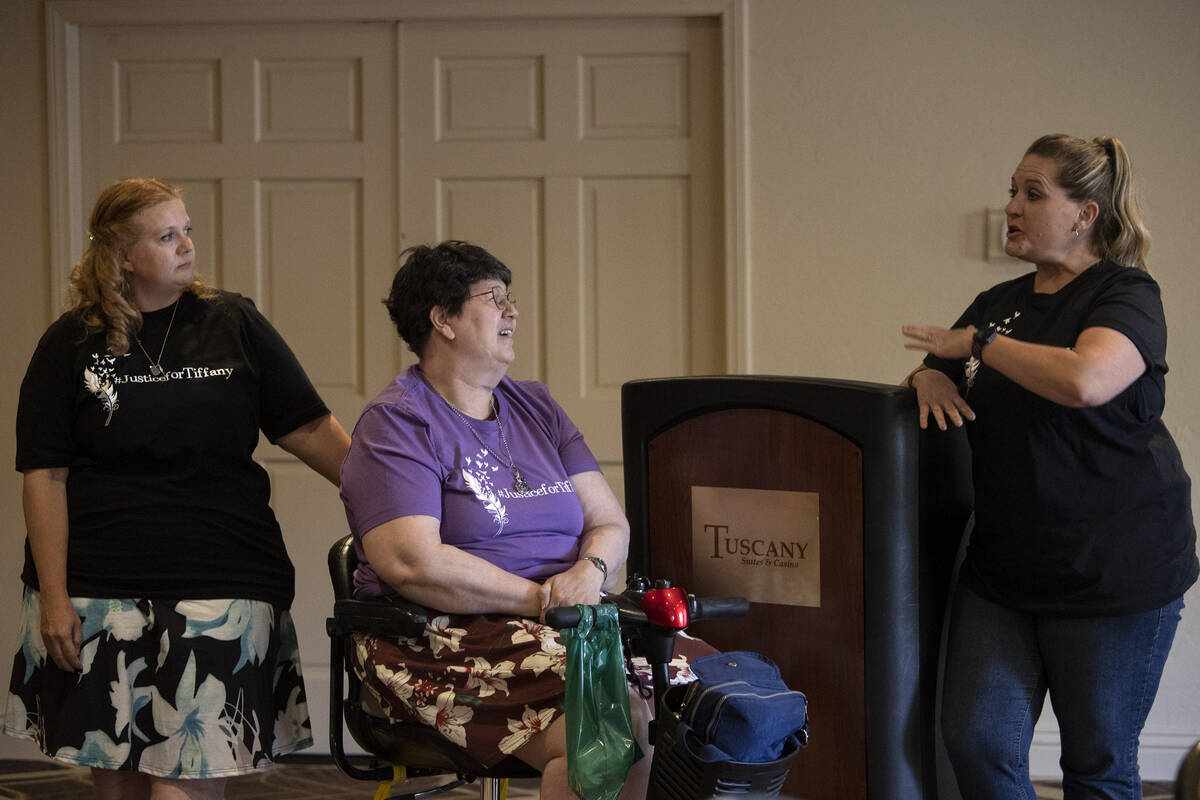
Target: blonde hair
x=1101 y=171
x=98 y=292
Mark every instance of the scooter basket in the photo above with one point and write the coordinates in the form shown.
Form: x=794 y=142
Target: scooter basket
x=676 y=772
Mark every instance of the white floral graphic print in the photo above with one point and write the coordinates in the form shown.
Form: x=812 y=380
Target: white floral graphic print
x=236 y=620
x=127 y=704
x=550 y=655
x=448 y=718
x=97 y=748
x=399 y=680
x=523 y=729
x=442 y=636
x=197 y=714
x=485 y=678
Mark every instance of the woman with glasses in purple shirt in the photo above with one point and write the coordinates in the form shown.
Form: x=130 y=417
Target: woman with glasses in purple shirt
x=474 y=494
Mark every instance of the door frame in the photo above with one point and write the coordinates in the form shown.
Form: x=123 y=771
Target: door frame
x=64 y=18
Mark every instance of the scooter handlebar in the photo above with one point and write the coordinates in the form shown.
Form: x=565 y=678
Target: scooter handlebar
x=563 y=616
x=718 y=607
x=700 y=608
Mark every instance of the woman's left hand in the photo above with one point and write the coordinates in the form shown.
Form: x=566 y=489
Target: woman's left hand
x=950 y=344
x=579 y=584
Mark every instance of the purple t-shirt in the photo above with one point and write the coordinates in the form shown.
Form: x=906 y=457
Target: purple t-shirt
x=411 y=454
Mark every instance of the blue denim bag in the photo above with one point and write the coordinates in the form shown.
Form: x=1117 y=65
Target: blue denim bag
x=741 y=706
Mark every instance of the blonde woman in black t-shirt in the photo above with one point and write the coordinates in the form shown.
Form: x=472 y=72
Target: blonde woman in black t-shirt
x=157 y=647
x=1083 y=542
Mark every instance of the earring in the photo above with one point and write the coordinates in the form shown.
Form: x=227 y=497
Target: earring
x=1075 y=231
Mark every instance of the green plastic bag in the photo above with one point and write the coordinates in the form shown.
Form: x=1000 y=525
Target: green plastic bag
x=600 y=742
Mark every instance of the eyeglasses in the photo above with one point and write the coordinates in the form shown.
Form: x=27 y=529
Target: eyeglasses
x=500 y=297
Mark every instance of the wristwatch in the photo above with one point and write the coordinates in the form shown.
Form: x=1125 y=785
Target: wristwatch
x=978 y=339
x=599 y=563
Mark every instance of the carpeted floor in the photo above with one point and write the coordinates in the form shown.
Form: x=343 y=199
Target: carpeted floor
x=298 y=780
x=304 y=779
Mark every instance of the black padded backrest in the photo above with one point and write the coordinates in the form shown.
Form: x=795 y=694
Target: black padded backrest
x=342 y=562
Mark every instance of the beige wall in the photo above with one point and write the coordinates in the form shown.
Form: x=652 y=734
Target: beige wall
x=24 y=257
x=879 y=133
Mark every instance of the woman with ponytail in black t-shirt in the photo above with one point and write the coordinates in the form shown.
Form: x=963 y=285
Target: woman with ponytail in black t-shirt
x=1083 y=542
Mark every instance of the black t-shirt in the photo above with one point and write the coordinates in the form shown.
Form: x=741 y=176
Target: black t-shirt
x=1077 y=510
x=164 y=498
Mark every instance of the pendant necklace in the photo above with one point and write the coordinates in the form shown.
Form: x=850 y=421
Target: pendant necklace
x=519 y=484
x=156 y=366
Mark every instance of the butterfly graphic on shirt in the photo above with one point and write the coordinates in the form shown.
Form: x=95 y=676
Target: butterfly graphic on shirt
x=98 y=379
x=476 y=472
x=1003 y=327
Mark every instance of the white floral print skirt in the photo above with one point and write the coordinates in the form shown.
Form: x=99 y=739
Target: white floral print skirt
x=488 y=683
x=176 y=689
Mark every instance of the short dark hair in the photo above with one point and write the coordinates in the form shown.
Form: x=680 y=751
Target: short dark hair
x=441 y=275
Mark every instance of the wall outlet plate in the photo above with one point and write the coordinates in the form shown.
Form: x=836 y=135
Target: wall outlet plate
x=996 y=226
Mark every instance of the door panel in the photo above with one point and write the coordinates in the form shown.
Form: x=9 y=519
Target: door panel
x=328 y=332
x=593 y=150
x=507 y=215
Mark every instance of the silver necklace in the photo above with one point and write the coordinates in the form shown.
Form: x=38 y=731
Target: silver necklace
x=519 y=484
x=156 y=366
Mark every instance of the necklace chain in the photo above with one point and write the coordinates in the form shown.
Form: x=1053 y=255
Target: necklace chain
x=156 y=366
x=519 y=483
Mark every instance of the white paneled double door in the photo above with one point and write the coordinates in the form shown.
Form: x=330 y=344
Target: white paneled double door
x=585 y=154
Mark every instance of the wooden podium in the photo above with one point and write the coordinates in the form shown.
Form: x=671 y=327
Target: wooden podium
x=825 y=497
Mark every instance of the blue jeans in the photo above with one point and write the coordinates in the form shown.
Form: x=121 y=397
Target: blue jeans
x=1101 y=674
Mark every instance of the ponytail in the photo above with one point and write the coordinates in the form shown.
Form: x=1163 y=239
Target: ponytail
x=1101 y=171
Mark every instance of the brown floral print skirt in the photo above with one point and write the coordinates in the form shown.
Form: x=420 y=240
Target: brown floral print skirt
x=486 y=682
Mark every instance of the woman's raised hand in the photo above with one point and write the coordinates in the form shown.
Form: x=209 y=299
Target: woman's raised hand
x=943 y=343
